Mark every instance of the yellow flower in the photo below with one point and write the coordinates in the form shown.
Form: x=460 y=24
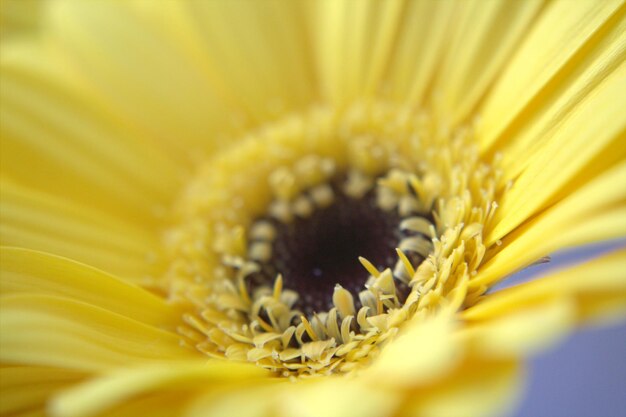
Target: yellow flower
x=299 y=208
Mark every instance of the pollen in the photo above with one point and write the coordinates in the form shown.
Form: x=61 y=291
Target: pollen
x=307 y=246
x=318 y=247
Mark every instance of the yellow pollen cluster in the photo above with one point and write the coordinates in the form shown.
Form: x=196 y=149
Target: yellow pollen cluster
x=282 y=171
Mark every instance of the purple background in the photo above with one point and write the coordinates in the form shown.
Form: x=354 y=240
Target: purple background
x=584 y=376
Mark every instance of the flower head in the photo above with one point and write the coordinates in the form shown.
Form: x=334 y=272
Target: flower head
x=300 y=208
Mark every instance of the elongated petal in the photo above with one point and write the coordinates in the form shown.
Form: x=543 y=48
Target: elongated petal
x=422 y=353
x=106 y=392
x=180 y=112
x=54 y=331
x=335 y=398
x=554 y=42
x=55 y=138
x=158 y=404
x=26 y=271
x=269 y=38
x=47 y=223
x=595 y=125
x=591 y=213
x=533 y=135
x=28 y=388
x=485 y=35
x=353 y=42
x=207 y=77
x=589 y=285
x=261 y=402
x=416 y=60
x=478 y=389
x=331 y=397
x=19 y=17
x=517 y=333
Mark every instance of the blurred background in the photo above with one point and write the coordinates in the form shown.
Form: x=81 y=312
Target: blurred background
x=584 y=375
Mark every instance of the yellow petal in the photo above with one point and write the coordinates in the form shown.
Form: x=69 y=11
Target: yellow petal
x=260 y=401
x=28 y=388
x=352 y=42
x=327 y=397
x=257 y=70
x=53 y=331
x=159 y=404
x=596 y=124
x=101 y=394
x=517 y=334
x=526 y=247
x=599 y=59
x=592 y=213
x=19 y=17
x=53 y=137
x=47 y=223
x=589 y=285
x=29 y=272
x=336 y=397
x=485 y=35
x=416 y=60
x=561 y=31
x=129 y=82
x=481 y=389
x=424 y=351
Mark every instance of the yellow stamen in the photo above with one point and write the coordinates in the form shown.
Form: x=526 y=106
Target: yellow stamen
x=406 y=263
x=369 y=267
x=308 y=328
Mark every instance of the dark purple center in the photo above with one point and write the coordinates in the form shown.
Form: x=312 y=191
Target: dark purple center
x=315 y=253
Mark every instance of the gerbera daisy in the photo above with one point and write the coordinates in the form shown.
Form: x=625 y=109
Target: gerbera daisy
x=300 y=208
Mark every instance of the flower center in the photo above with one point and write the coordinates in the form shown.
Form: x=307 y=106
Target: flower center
x=304 y=247
x=321 y=247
